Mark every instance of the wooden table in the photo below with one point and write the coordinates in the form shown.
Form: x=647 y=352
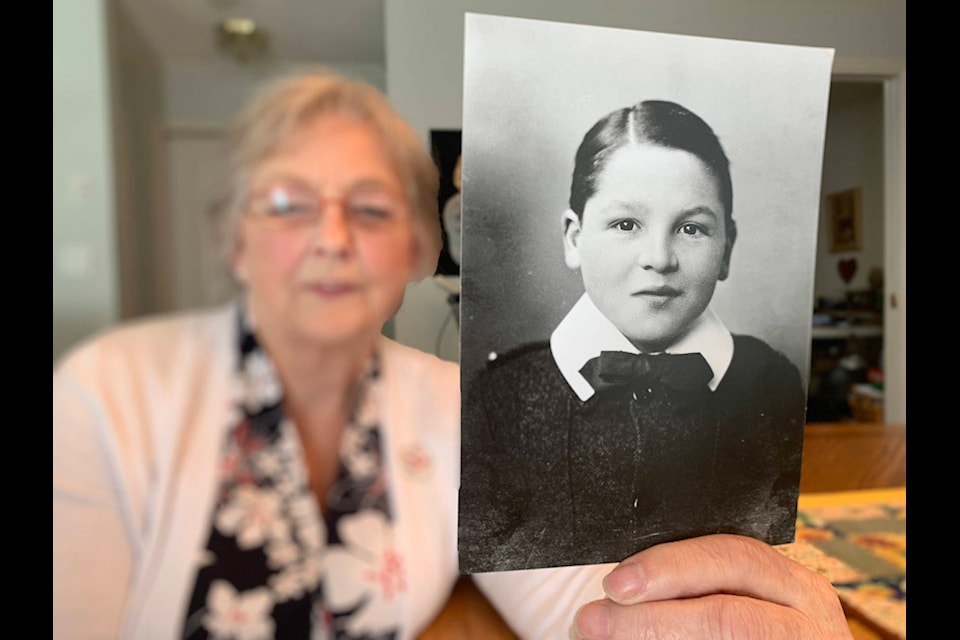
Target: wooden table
x=836 y=457
x=848 y=456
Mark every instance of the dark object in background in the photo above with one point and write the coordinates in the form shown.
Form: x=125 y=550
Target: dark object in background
x=445 y=147
x=829 y=403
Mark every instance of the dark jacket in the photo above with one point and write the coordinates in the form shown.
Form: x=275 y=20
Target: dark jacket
x=549 y=480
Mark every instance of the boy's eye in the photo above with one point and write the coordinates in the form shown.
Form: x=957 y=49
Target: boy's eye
x=626 y=225
x=691 y=229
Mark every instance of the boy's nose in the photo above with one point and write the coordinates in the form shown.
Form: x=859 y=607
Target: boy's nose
x=657 y=253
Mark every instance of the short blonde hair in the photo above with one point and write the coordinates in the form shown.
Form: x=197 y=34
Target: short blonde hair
x=285 y=105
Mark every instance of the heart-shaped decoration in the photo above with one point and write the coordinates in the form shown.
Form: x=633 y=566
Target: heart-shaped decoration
x=847 y=269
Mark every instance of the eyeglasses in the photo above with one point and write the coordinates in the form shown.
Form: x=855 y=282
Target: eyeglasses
x=291 y=207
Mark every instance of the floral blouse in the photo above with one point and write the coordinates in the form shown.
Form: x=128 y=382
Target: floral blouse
x=273 y=567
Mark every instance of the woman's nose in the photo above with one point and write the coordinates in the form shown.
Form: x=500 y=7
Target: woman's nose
x=331 y=231
x=657 y=252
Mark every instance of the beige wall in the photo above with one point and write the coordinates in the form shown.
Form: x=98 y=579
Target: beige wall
x=425 y=37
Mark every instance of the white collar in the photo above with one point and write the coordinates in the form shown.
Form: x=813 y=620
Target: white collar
x=584 y=332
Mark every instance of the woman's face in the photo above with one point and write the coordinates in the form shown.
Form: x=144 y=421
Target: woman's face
x=326 y=244
x=651 y=244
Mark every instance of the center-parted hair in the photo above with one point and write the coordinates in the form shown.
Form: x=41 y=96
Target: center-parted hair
x=661 y=123
x=657 y=122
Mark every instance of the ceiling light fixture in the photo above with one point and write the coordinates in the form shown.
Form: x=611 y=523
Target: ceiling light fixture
x=242 y=38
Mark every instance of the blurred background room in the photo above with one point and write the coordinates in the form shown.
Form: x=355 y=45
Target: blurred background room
x=142 y=92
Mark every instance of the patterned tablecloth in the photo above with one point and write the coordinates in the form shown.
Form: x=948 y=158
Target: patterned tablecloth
x=858 y=540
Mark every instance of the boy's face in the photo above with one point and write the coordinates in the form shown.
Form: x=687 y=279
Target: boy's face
x=651 y=245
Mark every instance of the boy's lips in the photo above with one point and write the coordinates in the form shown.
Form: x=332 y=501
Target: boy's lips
x=658 y=292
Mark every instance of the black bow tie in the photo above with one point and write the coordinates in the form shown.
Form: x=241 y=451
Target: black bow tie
x=682 y=372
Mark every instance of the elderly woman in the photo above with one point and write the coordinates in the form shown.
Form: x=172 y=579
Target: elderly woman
x=278 y=469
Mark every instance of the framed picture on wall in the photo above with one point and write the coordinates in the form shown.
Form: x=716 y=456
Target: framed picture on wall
x=846 y=222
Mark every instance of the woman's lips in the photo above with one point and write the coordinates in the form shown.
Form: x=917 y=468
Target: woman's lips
x=332 y=289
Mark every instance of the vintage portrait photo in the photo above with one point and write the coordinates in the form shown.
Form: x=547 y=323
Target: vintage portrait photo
x=639 y=223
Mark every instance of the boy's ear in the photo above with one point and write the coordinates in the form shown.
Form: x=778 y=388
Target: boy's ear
x=728 y=249
x=571 y=239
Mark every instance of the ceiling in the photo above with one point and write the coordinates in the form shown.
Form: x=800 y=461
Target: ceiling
x=330 y=31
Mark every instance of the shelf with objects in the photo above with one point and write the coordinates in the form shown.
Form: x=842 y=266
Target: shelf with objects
x=846 y=368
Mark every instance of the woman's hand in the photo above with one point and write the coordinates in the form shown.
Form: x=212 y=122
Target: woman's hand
x=718 y=586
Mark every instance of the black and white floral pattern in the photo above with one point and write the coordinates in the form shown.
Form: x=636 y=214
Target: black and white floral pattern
x=273 y=567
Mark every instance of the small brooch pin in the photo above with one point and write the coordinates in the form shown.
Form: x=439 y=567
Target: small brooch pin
x=416 y=461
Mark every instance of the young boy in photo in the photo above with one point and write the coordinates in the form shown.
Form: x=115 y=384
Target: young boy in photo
x=643 y=419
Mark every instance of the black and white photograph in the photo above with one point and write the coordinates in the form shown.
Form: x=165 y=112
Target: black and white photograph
x=639 y=226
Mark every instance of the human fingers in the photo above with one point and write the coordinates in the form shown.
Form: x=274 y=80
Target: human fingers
x=727 y=564
x=719 y=616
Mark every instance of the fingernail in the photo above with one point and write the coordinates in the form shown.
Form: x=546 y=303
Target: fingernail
x=624 y=582
x=593 y=621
